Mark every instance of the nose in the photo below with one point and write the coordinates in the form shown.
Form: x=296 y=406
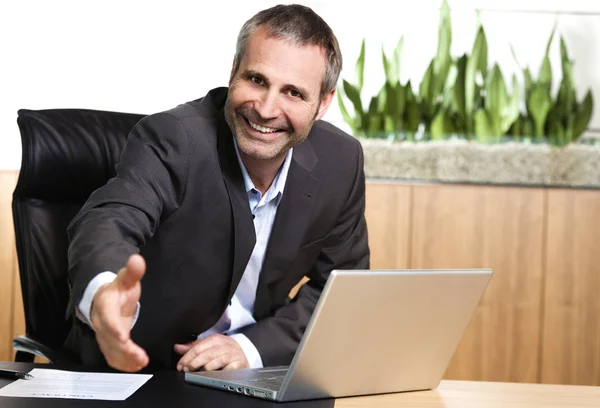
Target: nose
x=268 y=106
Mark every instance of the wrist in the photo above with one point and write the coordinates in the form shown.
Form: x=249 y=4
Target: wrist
x=97 y=298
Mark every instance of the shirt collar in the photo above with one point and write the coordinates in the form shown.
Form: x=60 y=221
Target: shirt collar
x=276 y=189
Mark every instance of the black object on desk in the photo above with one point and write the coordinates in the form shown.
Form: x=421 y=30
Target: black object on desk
x=15 y=375
x=164 y=389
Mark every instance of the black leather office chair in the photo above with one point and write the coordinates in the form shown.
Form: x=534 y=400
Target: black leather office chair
x=67 y=154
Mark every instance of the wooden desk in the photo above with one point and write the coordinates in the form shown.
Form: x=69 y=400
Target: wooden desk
x=471 y=394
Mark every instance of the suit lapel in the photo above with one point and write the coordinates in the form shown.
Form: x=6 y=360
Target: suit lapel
x=243 y=227
x=291 y=221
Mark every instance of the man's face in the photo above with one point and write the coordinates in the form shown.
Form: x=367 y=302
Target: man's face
x=274 y=97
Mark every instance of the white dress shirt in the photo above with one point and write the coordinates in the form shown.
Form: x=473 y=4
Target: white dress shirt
x=239 y=312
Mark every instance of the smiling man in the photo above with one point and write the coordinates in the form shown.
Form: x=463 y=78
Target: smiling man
x=222 y=205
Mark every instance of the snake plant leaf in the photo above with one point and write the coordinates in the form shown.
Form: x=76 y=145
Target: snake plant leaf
x=437 y=126
x=425 y=86
x=473 y=64
x=389 y=124
x=527 y=128
x=391 y=66
x=514 y=104
x=382 y=98
x=528 y=82
x=545 y=75
x=399 y=105
x=514 y=55
x=374 y=106
x=448 y=89
x=360 y=67
x=426 y=92
x=583 y=115
x=441 y=125
x=345 y=115
x=375 y=126
x=396 y=59
x=566 y=99
x=354 y=95
x=569 y=125
x=389 y=108
x=412 y=116
x=516 y=129
x=496 y=101
x=550 y=39
x=538 y=106
x=564 y=58
x=442 y=58
x=458 y=101
x=482 y=63
x=387 y=69
x=556 y=133
x=390 y=104
x=483 y=129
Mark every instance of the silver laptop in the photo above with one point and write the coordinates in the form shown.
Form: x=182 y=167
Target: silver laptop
x=372 y=332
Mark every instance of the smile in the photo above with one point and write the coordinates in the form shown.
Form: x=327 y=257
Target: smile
x=261 y=129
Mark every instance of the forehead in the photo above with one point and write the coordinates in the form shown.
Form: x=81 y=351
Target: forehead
x=283 y=62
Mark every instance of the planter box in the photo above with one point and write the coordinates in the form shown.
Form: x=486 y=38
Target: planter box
x=461 y=161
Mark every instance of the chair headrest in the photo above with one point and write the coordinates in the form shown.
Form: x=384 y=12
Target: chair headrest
x=69 y=153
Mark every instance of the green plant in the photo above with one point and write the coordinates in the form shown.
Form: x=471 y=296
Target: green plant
x=568 y=118
x=393 y=110
x=462 y=97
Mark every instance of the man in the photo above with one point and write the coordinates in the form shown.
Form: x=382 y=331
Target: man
x=230 y=200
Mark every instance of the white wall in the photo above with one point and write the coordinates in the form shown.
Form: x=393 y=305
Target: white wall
x=146 y=56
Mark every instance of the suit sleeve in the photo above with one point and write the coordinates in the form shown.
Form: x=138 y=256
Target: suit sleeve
x=121 y=216
x=277 y=337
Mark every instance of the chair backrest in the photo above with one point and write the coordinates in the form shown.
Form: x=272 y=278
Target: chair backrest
x=67 y=154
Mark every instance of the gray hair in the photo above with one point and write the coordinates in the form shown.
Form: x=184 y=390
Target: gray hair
x=301 y=26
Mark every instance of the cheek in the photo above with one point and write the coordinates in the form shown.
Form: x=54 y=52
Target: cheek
x=238 y=93
x=301 y=116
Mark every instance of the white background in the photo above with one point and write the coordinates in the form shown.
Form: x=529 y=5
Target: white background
x=146 y=56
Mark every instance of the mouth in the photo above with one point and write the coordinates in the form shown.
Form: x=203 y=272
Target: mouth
x=261 y=130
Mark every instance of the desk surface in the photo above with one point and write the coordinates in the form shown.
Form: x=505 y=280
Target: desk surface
x=168 y=389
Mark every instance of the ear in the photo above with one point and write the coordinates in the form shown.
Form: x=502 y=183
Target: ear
x=324 y=104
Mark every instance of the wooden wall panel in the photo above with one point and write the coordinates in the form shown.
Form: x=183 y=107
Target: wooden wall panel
x=571 y=335
x=8 y=181
x=500 y=228
x=388 y=223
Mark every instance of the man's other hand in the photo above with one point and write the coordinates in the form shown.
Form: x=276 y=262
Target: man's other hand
x=112 y=316
x=214 y=352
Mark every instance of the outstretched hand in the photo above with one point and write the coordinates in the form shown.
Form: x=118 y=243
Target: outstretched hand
x=112 y=314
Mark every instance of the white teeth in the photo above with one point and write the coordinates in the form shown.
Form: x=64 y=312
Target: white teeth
x=261 y=128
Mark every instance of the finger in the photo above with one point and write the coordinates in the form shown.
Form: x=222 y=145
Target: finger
x=199 y=347
x=183 y=348
x=220 y=361
x=136 y=355
x=235 y=365
x=211 y=359
x=124 y=356
x=133 y=272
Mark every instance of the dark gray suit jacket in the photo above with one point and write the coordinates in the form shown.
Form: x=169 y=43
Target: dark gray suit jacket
x=178 y=198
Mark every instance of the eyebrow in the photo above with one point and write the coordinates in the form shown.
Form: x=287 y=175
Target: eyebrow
x=300 y=89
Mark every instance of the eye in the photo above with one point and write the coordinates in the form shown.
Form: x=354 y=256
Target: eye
x=294 y=94
x=257 y=80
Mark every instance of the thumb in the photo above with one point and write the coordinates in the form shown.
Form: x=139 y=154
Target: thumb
x=183 y=348
x=133 y=272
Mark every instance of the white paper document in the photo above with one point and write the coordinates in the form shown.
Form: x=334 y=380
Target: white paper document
x=75 y=385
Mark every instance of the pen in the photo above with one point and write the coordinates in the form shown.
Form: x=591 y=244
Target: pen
x=15 y=375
